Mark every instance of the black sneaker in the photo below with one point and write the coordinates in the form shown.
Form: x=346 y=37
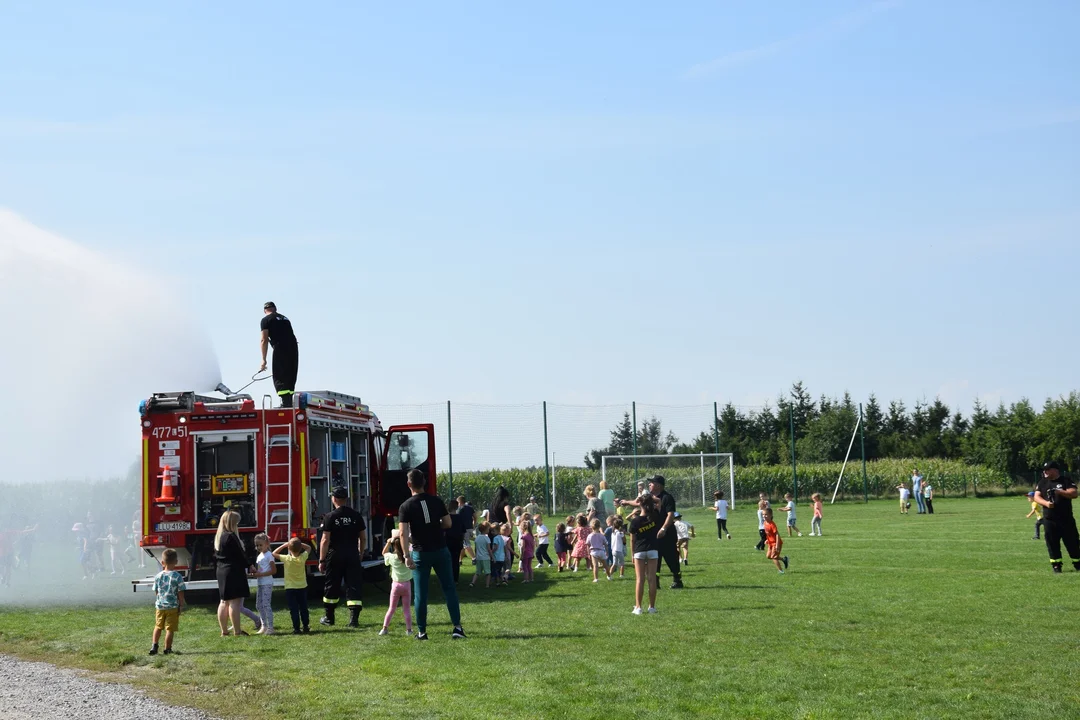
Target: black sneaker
x=421 y=636
x=1057 y=569
x=326 y=621
x=153 y=650
x=307 y=630
x=170 y=651
x=458 y=634
x=785 y=561
x=677 y=585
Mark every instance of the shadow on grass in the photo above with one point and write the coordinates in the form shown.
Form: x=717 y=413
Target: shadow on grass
x=748 y=607
x=538 y=636
x=722 y=586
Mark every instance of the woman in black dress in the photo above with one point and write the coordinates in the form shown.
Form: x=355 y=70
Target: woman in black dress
x=232 y=572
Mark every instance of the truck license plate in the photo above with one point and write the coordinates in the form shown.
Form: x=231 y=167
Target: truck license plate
x=172 y=526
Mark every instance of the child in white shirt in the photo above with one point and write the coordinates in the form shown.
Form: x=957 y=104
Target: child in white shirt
x=266 y=566
x=684 y=530
x=790 y=508
x=618 y=547
x=721 y=506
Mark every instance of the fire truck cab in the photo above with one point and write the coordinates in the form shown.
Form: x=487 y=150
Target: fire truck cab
x=202 y=456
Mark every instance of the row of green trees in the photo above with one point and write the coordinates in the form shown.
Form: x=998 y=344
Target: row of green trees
x=1011 y=439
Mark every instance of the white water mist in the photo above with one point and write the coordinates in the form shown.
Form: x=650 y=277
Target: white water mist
x=85 y=338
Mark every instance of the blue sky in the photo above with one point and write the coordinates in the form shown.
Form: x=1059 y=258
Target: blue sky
x=580 y=202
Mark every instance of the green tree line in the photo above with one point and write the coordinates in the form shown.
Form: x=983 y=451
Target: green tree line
x=1011 y=439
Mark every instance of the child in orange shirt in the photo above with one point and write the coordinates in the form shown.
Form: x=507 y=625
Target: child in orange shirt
x=773 y=542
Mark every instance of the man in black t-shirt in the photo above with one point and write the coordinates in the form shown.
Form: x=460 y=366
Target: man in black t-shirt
x=340 y=551
x=423 y=520
x=666 y=536
x=1055 y=493
x=277 y=331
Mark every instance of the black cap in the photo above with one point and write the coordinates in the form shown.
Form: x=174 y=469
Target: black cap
x=340 y=493
x=677 y=515
x=658 y=479
x=1052 y=465
x=269 y=305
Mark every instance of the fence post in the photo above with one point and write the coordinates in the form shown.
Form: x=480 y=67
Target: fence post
x=547 y=466
x=450 y=449
x=716 y=442
x=862 y=444
x=633 y=410
x=794 y=472
x=702 y=455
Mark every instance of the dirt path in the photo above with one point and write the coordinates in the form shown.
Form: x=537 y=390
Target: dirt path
x=36 y=691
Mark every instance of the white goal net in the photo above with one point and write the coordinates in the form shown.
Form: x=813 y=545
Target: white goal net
x=690 y=477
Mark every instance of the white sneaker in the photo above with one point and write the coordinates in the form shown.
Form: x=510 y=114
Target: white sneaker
x=384 y=631
x=652 y=611
x=800 y=534
x=636 y=611
x=596 y=579
x=609 y=577
x=728 y=537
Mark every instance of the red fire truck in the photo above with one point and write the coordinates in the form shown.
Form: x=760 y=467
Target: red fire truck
x=275 y=466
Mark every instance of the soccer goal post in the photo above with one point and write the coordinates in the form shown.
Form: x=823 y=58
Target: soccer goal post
x=686 y=474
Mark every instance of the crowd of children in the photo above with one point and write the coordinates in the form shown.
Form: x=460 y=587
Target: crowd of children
x=112 y=550
x=601 y=547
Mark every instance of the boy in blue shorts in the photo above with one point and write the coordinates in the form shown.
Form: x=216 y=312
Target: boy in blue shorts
x=790 y=507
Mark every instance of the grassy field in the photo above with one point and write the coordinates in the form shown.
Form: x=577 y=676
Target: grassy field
x=886 y=616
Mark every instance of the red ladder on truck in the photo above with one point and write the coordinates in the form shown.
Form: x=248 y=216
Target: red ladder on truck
x=278 y=513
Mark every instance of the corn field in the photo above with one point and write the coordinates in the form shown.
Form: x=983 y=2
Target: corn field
x=948 y=478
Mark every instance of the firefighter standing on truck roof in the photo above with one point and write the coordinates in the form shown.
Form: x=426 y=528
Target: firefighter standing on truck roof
x=340 y=551
x=277 y=331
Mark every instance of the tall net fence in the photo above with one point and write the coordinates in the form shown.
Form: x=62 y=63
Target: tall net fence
x=553 y=451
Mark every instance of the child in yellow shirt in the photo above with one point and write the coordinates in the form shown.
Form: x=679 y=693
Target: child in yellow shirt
x=294 y=555
x=1036 y=510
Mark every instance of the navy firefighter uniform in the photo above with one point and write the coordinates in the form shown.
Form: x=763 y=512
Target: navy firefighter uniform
x=343 y=546
x=1059 y=524
x=277 y=331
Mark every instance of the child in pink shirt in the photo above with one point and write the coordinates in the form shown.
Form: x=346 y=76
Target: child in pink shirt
x=581 y=549
x=528 y=551
x=598 y=550
x=815 y=524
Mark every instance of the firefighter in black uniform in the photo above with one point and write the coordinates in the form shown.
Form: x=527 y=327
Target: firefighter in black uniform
x=1055 y=493
x=277 y=331
x=669 y=549
x=340 y=551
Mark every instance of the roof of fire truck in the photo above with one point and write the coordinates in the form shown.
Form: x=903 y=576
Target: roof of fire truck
x=322 y=407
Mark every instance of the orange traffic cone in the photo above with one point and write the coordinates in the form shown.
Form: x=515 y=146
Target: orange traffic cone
x=170 y=486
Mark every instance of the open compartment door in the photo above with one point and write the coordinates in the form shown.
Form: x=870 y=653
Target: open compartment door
x=408 y=447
